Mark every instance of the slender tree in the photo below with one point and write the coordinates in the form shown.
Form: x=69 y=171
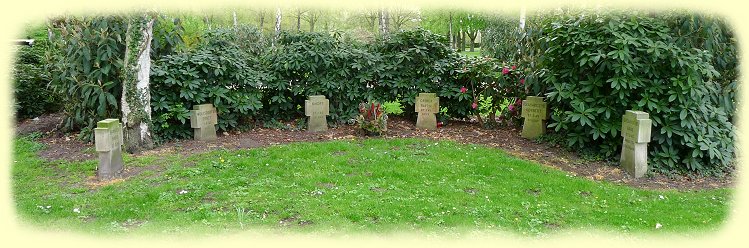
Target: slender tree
x=312 y=17
x=450 y=35
x=278 y=26
x=136 y=96
x=400 y=17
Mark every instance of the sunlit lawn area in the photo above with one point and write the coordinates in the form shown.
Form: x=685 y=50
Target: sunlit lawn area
x=372 y=185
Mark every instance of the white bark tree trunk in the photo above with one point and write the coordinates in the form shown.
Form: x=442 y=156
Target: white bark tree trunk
x=278 y=25
x=522 y=18
x=234 y=15
x=450 y=30
x=136 y=96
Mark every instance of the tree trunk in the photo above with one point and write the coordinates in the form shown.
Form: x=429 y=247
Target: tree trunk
x=522 y=18
x=450 y=32
x=262 y=21
x=234 y=15
x=278 y=26
x=383 y=22
x=207 y=22
x=471 y=38
x=136 y=96
x=299 y=21
x=461 y=40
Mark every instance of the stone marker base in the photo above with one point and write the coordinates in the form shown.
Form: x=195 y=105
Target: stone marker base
x=206 y=133
x=426 y=121
x=634 y=158
x=317 y=123
x=110 y=164
x=533 y=129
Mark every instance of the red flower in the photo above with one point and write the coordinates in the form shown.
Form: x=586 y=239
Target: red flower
x=505 y=70
x=519 y=102
x=463 y=89
x=513 y=67
x=511 y=107
x=474 y=105
x=522 y=81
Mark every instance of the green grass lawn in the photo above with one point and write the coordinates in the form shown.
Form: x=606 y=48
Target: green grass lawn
x=373 y=185
x=476 y=52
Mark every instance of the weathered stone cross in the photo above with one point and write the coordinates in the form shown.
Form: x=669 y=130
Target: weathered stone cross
x=317 y=108
x=108 y=139
x=535 y=114
x=427 y=105
x=203 y=119
x=636 y=132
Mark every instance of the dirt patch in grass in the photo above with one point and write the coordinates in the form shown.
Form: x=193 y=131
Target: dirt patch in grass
x=466 y=132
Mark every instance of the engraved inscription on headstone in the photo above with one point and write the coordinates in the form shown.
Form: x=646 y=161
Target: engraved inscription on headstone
x=535 y=114
x=108 y=139
x=427 y=105
x=317 y=108
x=203 y=119
x=636 y=127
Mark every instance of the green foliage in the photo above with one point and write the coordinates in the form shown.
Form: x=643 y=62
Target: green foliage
x=501 y=39
x=88 y=53
x=603 y=64
x=488 y=83
x=168 y=36
x=87 y=56
x=33 y=97
x=306 y=64
x=372 y=120
x=217 y=72
x=392 y=108
x=411 y=62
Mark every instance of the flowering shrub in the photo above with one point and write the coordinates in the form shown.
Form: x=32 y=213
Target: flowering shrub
x=487 y=88
x=372 y=120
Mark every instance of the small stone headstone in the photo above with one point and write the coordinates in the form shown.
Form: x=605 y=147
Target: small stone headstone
x=535 y=113
x=317 y=108
x=427 y=105
x=636 y=132
x=203 y=120
x=108 y=139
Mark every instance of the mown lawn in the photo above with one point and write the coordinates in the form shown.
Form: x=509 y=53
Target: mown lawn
x=373 y=185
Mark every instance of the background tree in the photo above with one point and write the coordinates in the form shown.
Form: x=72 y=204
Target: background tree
x=312 y=17
x=400 y=17
x=470 y=24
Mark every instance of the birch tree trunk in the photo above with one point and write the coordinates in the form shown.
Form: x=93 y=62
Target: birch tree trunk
x=234 y=15
x=450 y=30
x=278 y=26
x=522 y=18
x=136 y=96
x=383 y=22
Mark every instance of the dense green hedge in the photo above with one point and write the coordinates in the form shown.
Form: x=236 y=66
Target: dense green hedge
x=267 y=86
x=216 y=72
x=599 y=65
x=33 y=96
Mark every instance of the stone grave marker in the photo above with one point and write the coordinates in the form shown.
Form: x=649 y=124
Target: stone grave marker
x=636 y=132
x=427 y=105
x=108 y=139
x=535 y=114
x=317 y=108
x=203 y=119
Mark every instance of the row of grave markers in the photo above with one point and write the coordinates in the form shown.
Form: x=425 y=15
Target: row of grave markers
x=636 y=127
